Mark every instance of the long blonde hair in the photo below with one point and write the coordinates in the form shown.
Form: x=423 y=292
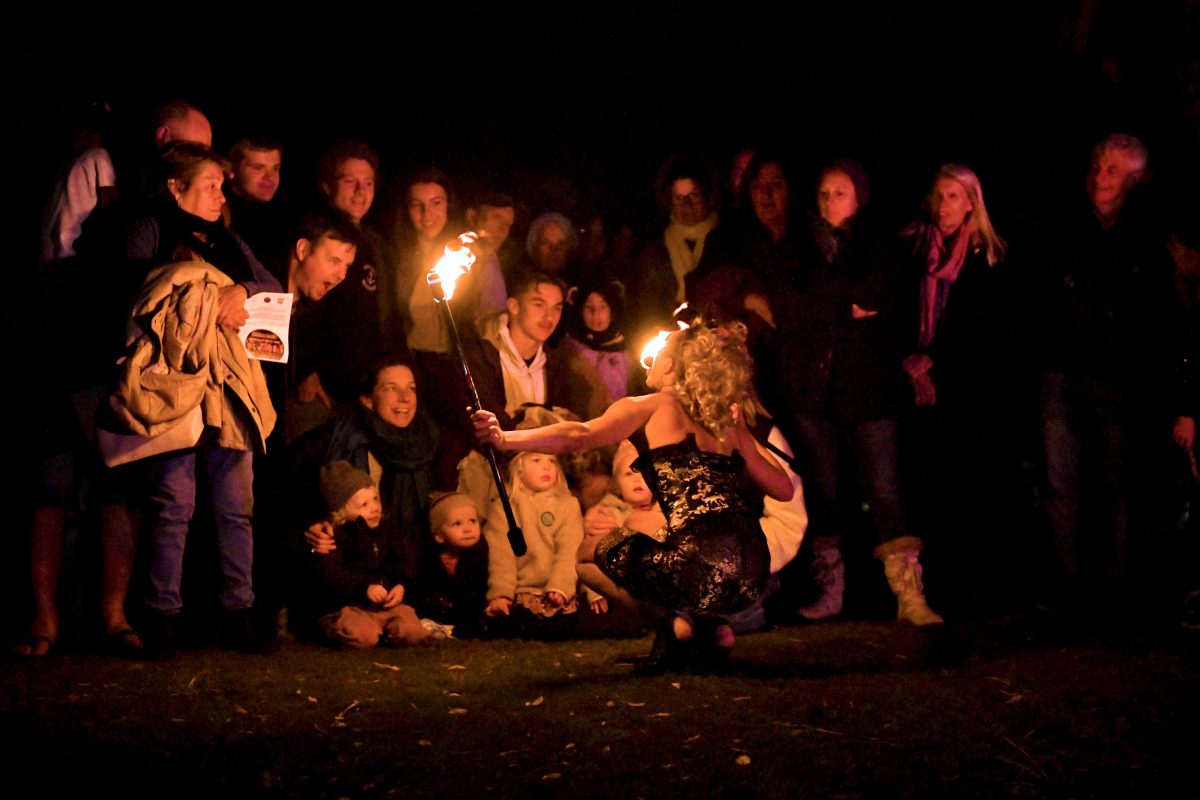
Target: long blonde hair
x=978 y=223
x=712 y=373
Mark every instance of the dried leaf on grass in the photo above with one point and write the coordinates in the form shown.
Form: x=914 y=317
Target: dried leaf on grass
x=742 y=760
x=537 y=701
x=341 y=716
x=458 y=710
x=455 y=666
x=392 y=667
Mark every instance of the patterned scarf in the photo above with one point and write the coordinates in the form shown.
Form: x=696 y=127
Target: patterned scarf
x=943 y=262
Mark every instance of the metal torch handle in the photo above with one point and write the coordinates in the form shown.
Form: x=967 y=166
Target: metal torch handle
x=516 y=537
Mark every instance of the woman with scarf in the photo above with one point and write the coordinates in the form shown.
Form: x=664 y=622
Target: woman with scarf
x=393 y=440
x=958 y=332
x=687 y=192
x=185 y=224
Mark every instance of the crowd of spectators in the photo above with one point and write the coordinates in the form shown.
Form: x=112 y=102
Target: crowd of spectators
x=941 y=384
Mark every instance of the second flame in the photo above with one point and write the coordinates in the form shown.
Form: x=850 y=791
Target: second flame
x=454 y=263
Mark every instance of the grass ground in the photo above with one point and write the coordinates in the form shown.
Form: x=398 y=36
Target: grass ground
x=1009 y=708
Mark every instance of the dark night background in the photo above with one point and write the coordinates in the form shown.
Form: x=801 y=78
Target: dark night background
x=600 y=92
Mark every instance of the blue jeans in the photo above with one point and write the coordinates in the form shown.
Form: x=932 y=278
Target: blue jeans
x=876 y=454
x=1084 y=431
x=173 y=499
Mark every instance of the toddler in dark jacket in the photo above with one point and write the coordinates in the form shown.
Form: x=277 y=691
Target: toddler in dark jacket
x=452 y=580
x=360 y=586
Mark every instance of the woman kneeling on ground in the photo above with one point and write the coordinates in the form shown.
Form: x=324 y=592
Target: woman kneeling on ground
x=695 y=451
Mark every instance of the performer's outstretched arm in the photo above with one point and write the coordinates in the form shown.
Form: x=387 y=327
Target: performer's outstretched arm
x=620 y=420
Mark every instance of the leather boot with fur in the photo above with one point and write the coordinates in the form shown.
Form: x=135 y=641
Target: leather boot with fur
x=902 y=567
x=829 y=573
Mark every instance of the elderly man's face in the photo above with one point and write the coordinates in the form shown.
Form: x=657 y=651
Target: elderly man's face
x=1114 y=172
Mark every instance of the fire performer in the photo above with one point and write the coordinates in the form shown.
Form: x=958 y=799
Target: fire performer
x=695 y=449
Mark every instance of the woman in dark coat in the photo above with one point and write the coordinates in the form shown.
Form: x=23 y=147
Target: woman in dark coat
x=835 y=352
x=959 y=334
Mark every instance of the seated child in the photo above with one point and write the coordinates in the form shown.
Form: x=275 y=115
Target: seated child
x=636 y=510
x=359 y=584
x=452 y=580
x=541 y=583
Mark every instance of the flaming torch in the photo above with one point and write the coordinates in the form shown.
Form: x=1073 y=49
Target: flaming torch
x=652 y=348
x=453 y=265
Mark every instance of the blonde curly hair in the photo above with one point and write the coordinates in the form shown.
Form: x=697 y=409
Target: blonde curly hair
x=712 y=373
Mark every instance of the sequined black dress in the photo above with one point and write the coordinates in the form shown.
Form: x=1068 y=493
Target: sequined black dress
x=714 y=560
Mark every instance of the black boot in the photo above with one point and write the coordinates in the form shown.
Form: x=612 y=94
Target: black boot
x=162 y=636
x=239 y=633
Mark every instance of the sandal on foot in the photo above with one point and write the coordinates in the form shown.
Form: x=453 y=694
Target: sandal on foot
x=37 y=646
x=125 y=642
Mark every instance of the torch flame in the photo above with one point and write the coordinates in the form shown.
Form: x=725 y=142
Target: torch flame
x=454 y=263
x=653 y=347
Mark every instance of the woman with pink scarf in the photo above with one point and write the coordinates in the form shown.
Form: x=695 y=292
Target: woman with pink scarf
x=955 y=234
x=961 y=324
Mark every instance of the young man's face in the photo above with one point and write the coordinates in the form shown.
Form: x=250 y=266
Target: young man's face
x=494 y=223
x=536 y=312
x=460 y=530
x=353 y=189
x=256 y=177
x=321 y=265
